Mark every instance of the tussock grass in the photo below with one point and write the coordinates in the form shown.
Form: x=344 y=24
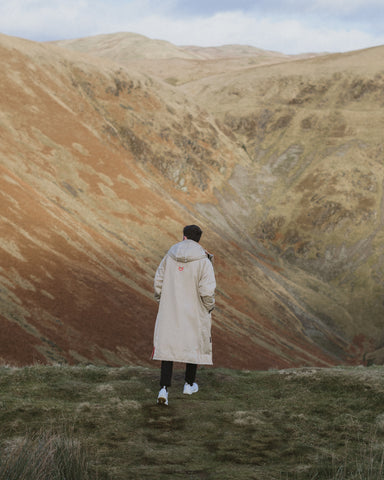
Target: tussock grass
x=44 y=456
x=277 y=425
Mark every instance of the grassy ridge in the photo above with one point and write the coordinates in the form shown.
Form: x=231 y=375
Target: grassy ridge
x=291 y=424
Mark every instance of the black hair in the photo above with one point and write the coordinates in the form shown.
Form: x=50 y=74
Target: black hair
x=192 y=232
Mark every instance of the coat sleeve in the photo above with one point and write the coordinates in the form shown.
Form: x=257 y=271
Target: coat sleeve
x=159 y=277
x=207 y=286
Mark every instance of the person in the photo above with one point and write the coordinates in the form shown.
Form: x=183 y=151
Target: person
x=184 y=286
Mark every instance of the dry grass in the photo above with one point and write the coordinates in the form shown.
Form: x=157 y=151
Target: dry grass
x=47 y=455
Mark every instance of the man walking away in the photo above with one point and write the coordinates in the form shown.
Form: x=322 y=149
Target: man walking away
x=185 y=289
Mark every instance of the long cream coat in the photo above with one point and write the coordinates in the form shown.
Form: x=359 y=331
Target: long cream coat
x=185 y=288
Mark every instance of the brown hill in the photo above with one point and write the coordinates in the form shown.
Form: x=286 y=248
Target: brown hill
x=101 y=166
x=175 y=65
x=126 y=47
x=314 y=186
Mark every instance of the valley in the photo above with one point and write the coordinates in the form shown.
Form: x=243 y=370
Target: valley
x=105 y=157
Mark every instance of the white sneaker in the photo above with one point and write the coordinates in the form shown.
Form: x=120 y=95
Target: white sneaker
x=189 y=389
x=162 y=398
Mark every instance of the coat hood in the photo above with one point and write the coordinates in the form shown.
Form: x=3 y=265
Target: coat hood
x=187 y=251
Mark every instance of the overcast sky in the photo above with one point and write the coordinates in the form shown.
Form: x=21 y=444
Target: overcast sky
x=288 y=26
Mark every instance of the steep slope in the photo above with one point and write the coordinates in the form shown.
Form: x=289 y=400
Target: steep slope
x=310 y=198
x=100 y=169
x=313 y=192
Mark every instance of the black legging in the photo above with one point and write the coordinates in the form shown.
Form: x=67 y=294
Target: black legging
x=167 y=369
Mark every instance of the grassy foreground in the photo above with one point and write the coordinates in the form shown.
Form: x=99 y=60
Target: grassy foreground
x=292 y=424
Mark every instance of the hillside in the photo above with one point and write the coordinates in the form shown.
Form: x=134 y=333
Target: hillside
x=314 y=187
x=311 y=196
x=175 y=65
x=101 y=168
x=102 y=164
x=126 y=47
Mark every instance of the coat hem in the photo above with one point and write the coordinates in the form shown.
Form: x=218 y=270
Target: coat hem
x=197 y=361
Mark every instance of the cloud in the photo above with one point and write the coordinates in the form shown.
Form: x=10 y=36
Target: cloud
x=40 y=20
x=287 y=36
x=57 y=19
x=286 y=7
x=288 y=26
x=341 y=7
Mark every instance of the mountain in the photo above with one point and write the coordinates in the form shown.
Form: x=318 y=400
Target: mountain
x=314 y=185
x=103 y=162
x=174 y=64
x=126 y=47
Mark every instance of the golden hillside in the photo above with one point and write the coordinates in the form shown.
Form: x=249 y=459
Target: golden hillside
x=314 y=187
x=102 y=164
x=175 y=65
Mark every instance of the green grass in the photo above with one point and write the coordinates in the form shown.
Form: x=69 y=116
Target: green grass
x=283 y=425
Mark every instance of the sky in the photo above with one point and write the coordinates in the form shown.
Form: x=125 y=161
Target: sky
x=287 y=26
